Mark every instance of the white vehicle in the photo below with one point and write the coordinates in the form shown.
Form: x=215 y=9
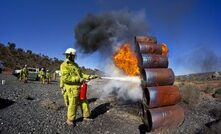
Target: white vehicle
x=16 y=72
x=32 y=73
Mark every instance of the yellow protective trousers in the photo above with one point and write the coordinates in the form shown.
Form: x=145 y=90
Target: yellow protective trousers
x=71 y=98
x=42 y=80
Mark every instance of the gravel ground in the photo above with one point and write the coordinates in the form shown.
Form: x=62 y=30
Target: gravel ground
x=36 y=108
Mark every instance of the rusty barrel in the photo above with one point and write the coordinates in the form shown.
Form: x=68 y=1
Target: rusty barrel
x=162 y=96
x=145 y=39
x=160 y=49
x=154 y=61
x=171 y=116
x=158 y=77
x=146 y=117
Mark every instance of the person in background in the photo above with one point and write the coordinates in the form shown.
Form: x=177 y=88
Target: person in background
x=42 y=75
x=21 y=75
x=48 y=77
x=24 y=74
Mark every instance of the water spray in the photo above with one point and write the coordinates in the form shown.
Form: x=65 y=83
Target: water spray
x=125 y=79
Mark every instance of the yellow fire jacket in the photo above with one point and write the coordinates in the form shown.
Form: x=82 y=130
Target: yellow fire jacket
x=41 y=74
x=25 y=72
x=71 y=74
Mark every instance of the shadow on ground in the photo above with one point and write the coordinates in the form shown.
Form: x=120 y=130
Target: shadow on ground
x=91 y=100
x=5 y=103
x=99 y=110
x=143 y=129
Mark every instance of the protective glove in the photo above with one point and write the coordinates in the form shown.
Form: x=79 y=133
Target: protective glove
x=81 y=80
x=93 y=77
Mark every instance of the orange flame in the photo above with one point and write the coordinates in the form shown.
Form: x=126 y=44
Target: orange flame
x=126 y=60
x=164 y=49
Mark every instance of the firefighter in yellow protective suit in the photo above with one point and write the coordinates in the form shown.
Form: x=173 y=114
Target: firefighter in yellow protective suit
x=21 y=75
x=48 y=77
x=42 y=76
x=24 y=74
x=70 y=82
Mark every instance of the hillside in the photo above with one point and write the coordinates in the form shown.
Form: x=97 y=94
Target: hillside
x=16 y=58
x=206 y=76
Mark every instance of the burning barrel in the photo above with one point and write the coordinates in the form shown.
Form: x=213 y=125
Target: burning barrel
x=160 y=96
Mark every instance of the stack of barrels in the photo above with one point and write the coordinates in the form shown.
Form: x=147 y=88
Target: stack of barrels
x=160 y=96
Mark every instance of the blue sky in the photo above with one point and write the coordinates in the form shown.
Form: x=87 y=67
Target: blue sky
x=47 y=26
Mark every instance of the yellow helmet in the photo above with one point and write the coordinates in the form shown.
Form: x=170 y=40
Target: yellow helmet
x=70 y=51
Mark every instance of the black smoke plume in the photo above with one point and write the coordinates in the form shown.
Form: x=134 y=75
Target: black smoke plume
x=205 y=60
x=103 y=31
x=202 y=59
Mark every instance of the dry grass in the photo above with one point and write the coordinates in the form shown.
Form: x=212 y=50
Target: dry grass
x=217 y=93
x=190 y=94
x=193 y=91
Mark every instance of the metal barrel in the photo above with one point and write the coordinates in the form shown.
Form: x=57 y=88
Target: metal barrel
x=158 y=77
x=145 y=116
x=145 y=39
x=162 y=96
x=171 y=116
x=154 y=61
x=158 y=105
x=153 y=49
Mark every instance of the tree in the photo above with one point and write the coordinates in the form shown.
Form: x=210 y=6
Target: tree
x=29 y=51
x=11 y=45
x=1 y=45
x=55 y=59
x=20 y=50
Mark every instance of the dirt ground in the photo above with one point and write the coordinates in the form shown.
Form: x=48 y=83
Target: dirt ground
x=36 y=108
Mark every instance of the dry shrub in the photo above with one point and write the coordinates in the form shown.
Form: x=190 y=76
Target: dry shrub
x=217 y=93
x=27 y=96
x=190 y=94
x=209 y=89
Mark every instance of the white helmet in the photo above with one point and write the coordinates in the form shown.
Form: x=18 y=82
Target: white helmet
x=70 y=51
